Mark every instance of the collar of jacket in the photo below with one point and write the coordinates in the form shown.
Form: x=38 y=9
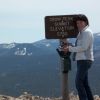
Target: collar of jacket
x=84 y=28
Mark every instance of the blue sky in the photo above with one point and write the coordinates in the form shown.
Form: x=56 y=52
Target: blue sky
x=23 y=20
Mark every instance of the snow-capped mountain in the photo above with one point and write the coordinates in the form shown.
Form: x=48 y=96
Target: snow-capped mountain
x=40 y=47
x=23 y=65
x=28 y=49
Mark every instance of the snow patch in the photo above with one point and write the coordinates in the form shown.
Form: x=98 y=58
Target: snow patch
x=20 y=51
x=9 y=46
x=48 y=45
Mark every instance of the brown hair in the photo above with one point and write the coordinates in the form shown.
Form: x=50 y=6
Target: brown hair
x=82 y=17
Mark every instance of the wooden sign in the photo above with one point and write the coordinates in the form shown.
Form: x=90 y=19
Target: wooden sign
x=60 y=27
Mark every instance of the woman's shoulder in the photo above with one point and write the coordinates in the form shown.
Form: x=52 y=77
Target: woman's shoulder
x=88 y=30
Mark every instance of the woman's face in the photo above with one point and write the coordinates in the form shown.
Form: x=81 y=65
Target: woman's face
x=81 y=25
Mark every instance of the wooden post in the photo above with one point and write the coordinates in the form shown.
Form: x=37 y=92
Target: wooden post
x=64 y=83
x=65 y=92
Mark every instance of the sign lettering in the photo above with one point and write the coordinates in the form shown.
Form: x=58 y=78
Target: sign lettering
x=59 y=27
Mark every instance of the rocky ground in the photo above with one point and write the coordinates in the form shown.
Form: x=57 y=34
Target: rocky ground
x=26 y=96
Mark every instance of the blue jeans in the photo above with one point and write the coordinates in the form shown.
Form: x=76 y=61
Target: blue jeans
x=81 y=81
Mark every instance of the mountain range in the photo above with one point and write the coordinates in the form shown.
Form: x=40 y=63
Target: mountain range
x=35 y=68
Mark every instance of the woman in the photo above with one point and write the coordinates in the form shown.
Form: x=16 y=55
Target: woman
x=84 y=57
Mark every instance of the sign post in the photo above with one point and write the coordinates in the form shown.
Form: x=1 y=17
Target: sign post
x=65 y=91
x=62 y=27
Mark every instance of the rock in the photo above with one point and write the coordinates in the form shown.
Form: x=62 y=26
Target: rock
x=96 y=97
x=27 y=96
x=3 y=97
